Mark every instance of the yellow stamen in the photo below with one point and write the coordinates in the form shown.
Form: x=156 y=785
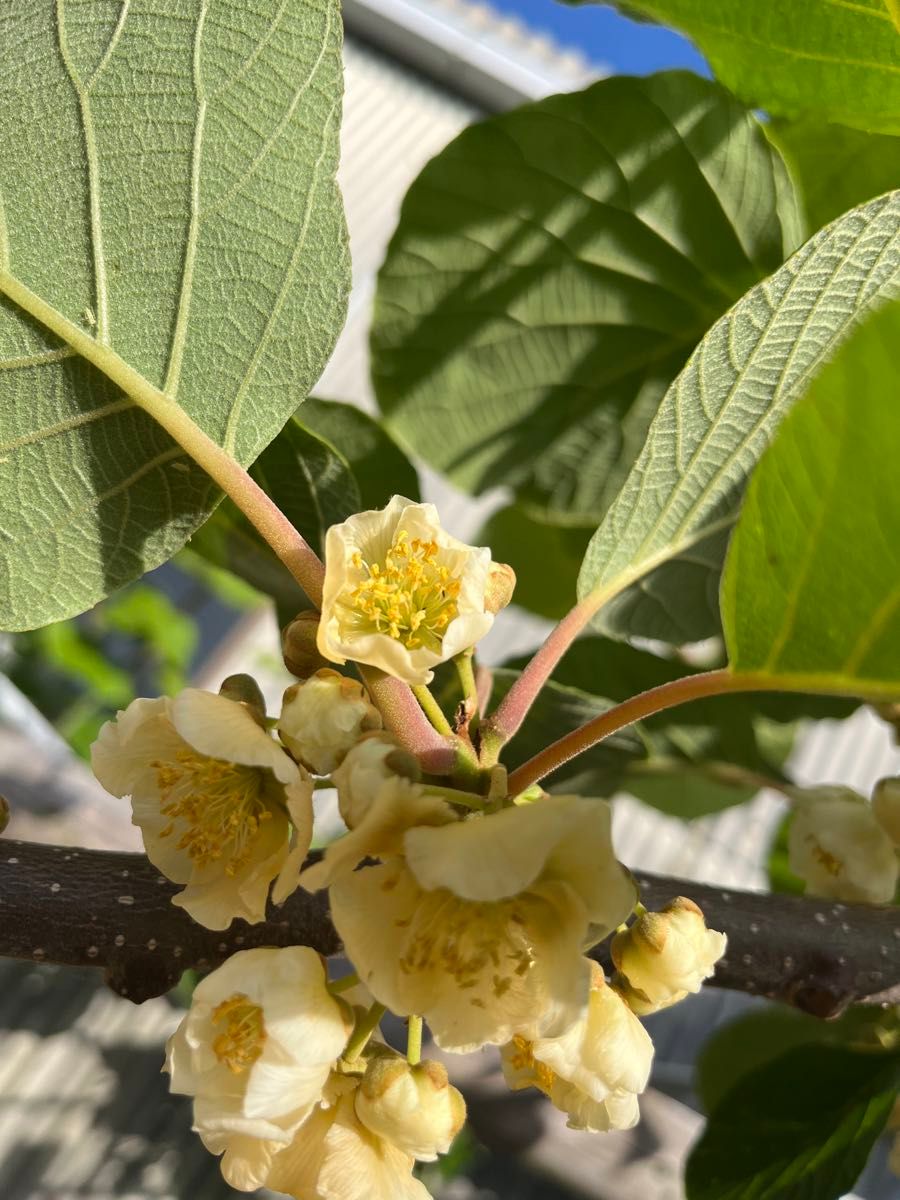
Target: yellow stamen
x=523 y=1059
x=220 y=807
x=245 y=1033
x=411 y=596
x=832 y=865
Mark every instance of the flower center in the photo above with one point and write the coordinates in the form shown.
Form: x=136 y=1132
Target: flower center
x=522 y=1059
x=221 y=804
x=484 y=948
x=825 y=859
x=411 y=596
x=242 y=1042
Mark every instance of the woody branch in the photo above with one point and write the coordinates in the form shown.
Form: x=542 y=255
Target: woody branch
x=113 y=911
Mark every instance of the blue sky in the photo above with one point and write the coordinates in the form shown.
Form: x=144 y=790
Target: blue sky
x=627 y=47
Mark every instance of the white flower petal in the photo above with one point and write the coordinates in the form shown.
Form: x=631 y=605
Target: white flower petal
x=478 y=972
x=124 y=746
x=496 y=856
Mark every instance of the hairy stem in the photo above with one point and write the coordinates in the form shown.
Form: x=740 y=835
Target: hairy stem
x=404 y=718
x=466 y=673
x=512 y=710
x=268 y=519
x=432 y=710
x=645 y=704
x=114 y=911
x=484 y=685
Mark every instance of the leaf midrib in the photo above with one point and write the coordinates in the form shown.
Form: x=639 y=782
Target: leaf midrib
x=644 y=565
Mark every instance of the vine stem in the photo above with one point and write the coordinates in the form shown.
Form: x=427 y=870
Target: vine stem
x=293 y=550
x=645 y=704
x=404 y=718
x=466 y=672
x=497 y=730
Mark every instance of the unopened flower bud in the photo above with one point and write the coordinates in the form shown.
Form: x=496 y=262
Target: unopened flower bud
x=373 y=761
x=840 y=850
x=323 y=717
x=886 y=807
x=298 y=645
x=244 y=689
x=416 y=1108
x=664 y=955
x=500 y=587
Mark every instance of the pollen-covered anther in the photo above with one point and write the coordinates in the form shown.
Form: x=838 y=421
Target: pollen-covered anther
x=219 y=803
x=241 y=1044
x=463 y=945
x=411 y=597
x=521 y=1058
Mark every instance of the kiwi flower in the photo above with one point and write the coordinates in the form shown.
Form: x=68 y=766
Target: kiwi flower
x=221 y=807
x=400 y=593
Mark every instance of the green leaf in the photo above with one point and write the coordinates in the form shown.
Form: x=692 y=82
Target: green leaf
x=818 y=541
x=557 y=711
x=552 y=269
x=653 y=566
x=380 y=467
x=167 y=185
x=544 y=555
x=313 y=486
x=745 y=1045
x=798 y=1128
x=834 y=59
x=836 y=167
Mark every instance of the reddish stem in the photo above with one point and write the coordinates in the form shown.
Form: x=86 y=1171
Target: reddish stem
x=404 y=717
x=513 y=708
x=666 y=695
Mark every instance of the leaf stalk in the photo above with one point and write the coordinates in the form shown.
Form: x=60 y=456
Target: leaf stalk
x=293 y=550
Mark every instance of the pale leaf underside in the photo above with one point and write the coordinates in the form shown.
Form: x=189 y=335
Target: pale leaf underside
x=167 y=184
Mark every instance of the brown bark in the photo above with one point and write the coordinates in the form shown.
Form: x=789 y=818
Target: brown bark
x=113 y=911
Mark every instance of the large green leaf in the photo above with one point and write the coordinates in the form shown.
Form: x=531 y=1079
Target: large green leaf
x=811 y=590
x=312 y=484
x=742 y=1046
x=653 y=566
x=552 y=269
x=167 y=187
x=836 y=167
x=835 y=59
x=800 y=1127
x=379 y=466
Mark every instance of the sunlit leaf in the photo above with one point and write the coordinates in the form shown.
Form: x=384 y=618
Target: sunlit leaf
x=653 y=567
x=167 y=186
x=818 y=541
x=835 y=59
x=552 y=269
